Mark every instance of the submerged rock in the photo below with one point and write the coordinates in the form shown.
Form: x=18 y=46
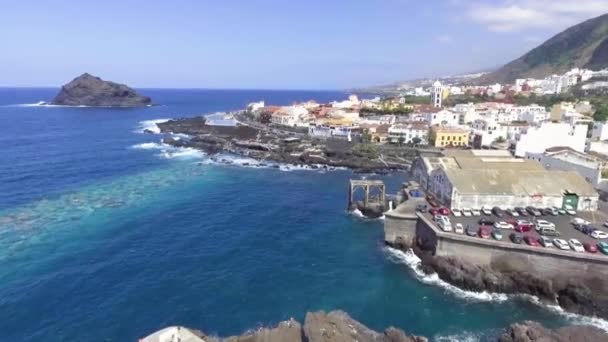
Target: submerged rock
x=88 y=90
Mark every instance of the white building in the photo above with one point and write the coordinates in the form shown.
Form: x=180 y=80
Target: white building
x=408 y=132
x=600 y=131
x=353 y=101
x=515 y=129
x=291 y=116
x=443 y=117
x=328 y=131
x=486 y=132
x=534 y=117
x=548 y=134
x=437 y=94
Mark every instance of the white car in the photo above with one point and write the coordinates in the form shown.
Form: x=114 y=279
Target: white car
x=569 y=210
x=444 y=223
x=606 y=223
x=560 y=211
x=456 y=212
x=599 y=234
x=545 y=241
x=579 y=221
x=544 y=224
x=576 y=245
x=458 y=228
x=561 y=244
x=476 y=212
x=486 y=211
x=467 y=212
x=503 y=225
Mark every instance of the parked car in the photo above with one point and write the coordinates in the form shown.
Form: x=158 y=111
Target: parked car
x=590 y=247
x=579 y=221
x=434 y=211
x=603 y=247
x=560 y=211
x=523 y=228
x=588 y=230
x=550 y=211
x=606 y=223
x=569 y=210
x=497 y=234
x=467 y=212
x=503 y=225
x=521 y=211
x=486 y=211
x=512 y=212
x=422 y=208
x=516 y=238
x=458 y=228
x=444 y=211
x=498 y=212
x=484 y=232
x=433 y=203
x=545 y=241
x=533 y=211
x=444 y=223
x=576 y=245
x=548 y=231
x=561 y=244
x=456 y=212
x=486 y=222
x=531 y=240
x=544 y=223
x=599 y=234
x=471 y=231
x=476 y=212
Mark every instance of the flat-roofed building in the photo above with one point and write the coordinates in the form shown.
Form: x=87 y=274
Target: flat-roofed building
x=442 y=136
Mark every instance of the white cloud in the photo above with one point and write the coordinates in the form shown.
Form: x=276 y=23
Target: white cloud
x=521 y=15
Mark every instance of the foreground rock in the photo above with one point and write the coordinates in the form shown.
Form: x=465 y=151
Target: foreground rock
x=88 y=90
x=336 y=326
x=587 y=296
x=533 y=331
x=295 y=148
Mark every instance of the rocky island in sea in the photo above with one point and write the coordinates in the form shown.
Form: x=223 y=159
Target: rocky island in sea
x=92 y=91
x=338 y=326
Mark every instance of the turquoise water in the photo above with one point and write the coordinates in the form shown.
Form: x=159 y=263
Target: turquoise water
x=107 y=235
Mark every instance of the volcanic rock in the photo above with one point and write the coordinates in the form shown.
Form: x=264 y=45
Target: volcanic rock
x=88 y=90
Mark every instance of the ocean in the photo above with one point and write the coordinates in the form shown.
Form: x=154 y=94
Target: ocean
x=107 y=235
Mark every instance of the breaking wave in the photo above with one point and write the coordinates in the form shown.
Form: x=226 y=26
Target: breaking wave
x=414 y=263
x=150 y=125
x=171 y=152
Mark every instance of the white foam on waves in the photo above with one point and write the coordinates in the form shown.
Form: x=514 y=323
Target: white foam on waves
x=413 y=262
x=171 y=152
x=150 y=125
x=359 y=214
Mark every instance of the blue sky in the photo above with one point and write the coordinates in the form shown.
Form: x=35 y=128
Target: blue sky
x=271 y=44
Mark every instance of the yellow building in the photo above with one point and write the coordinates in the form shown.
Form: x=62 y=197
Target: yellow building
x=442 y=136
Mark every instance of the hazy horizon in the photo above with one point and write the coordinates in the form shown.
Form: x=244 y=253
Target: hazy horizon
x=272 y=44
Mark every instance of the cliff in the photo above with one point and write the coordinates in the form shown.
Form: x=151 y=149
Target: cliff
x=88 y=90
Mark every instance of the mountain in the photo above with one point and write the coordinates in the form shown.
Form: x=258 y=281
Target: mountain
x=88 y=90
x=581 y=46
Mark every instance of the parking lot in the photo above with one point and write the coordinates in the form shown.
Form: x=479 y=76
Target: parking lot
x=562 y=224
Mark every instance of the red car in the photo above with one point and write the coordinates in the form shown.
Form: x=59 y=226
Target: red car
x=444 y=211
x=523 y=228
x=531 y=240
x=434 y=211
x=590 y=247
x=484 y=232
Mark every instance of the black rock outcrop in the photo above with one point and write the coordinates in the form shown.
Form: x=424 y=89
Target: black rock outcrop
x=88 y=90
x=532 y=331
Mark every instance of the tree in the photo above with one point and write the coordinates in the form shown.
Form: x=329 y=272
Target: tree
x=416 y=141
x=366 y=137
x=601 y=113
x=401 y=141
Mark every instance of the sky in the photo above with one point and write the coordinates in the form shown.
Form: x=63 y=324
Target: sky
x=271 y=44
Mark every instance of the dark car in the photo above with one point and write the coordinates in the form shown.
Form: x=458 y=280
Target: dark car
x=434 y=211
x=471 y=231
x=588 y=229
x=422 y=208
x=522 y=212
x=498 y=212
x=533 y=211
x=512 y=212
x=523 y=226
x=531 y=240
x=486 y=222
x=550 y=211
x=484 y=232
x=516 y=238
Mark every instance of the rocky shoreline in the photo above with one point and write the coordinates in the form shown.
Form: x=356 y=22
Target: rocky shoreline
x=266 y=143
x=338 y=326
x=588 y=296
